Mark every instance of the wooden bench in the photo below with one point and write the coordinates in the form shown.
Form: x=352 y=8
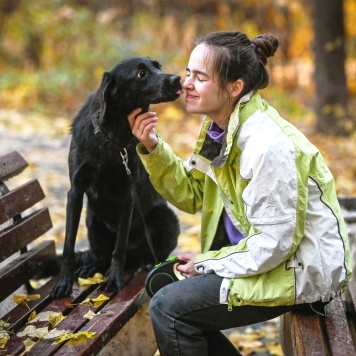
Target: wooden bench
x=312 y=334
x=309 y=334
x=121 y=322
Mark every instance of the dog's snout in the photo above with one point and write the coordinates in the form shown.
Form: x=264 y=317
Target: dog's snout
x=174 y=79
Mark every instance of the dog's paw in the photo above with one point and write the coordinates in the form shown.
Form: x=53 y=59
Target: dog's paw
x=86 y=271
x=112 y=284
x=63 y=287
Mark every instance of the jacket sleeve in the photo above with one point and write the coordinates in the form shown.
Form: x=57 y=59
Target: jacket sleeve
x=172 y=178
x=271 y=203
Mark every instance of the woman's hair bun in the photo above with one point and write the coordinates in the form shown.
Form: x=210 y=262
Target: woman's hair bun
x=265 y=46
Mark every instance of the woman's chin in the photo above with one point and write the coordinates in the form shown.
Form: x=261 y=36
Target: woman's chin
x=192 y=109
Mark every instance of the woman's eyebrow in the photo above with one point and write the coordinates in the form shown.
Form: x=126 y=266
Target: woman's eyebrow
x=197 y=71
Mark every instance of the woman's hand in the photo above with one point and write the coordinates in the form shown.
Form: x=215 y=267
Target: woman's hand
x=188 y=269
x=143 y=128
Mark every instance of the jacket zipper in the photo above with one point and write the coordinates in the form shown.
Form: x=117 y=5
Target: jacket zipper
x=229 y=301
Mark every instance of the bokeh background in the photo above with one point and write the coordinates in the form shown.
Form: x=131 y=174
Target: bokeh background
x=54 y=53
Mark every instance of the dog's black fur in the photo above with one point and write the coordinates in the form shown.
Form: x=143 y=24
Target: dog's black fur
x=116 y=231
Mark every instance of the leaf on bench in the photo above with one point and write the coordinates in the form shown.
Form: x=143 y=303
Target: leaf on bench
x=90 y=315
x=41 y=333
x=29 y=344
x=54 y=333
x=24 y=298
x=53 y=317
x=33 y=332
x=98 y=278
x=96 y=302
x=32 y=315
x=3 y=325
x=4 y=336
x=76 y=338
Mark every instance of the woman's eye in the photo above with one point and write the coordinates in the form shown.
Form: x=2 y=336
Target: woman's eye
x=141 y=74
x=200 y=80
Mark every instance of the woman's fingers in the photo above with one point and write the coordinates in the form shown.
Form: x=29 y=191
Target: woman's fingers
x=187 y=269
x=132 y=117
x=143 y=127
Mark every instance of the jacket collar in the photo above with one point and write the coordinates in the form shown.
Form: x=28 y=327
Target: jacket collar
x=213 y=151
x=233 y=124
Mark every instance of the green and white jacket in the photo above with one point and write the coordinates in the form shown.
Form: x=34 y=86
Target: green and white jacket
x=279 y=194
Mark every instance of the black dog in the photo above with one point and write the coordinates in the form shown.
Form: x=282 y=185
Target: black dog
x=104 y=166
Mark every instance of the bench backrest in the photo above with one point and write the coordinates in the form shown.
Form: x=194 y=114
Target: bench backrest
x=20 y=224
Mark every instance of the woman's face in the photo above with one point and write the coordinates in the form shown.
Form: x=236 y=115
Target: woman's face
x=203 y=95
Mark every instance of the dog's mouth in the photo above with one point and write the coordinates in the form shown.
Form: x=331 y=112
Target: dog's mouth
x=176 y=94
x=169 y=94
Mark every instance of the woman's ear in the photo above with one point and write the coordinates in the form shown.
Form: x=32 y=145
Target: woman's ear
x=236 y=88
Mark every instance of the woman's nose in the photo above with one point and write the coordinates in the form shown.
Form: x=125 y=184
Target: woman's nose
x=187 y=84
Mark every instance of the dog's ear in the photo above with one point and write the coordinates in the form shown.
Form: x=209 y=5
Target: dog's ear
x=107 y=90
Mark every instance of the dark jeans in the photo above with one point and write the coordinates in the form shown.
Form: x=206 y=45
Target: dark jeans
x=187 y=317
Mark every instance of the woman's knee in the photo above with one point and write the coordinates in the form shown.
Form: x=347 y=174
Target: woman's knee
x=158 y=301
x=165 y=302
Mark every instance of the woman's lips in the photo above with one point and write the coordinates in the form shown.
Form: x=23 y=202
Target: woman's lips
x=190 y=96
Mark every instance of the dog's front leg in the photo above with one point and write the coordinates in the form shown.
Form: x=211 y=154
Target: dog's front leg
x=64 y=284
x=115 y=281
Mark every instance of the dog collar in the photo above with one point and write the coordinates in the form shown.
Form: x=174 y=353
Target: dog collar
x=105 y=140
x=101 y=135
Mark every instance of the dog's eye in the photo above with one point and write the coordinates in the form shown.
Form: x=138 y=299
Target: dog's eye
x=141 y=74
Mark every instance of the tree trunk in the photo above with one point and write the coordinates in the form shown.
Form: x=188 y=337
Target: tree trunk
x=330 y=78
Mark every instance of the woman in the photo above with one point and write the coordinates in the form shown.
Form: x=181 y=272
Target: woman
x=273 y=237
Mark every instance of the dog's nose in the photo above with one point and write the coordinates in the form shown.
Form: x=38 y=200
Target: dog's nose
x=174 y=79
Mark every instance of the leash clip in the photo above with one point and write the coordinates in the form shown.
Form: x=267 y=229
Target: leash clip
x=125 y=161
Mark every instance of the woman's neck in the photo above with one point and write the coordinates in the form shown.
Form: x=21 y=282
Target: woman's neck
x=222 y=121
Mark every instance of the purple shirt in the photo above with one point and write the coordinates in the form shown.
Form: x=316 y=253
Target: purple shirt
x=217 y=134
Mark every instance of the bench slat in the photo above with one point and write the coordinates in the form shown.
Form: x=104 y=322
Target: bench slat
x=111 y=318
x=17 y=236
x=15 y=344
x=72 y=323
x=24 y=267
x=17 y=232
x=75 y=320
x=350 y=297
x=20 y=199
x=307 y=334
x=18 y=316
x=350 y=307
x=11 y=164
x=337 y=330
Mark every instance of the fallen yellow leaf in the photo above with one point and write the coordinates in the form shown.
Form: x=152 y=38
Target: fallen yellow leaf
x=247 y=343
x=89 y=315
x=3 y=339
x=96 y=302
x=24 y=298
x=74 y=339
x=28 y=345
x=55 y=319
x=32 y=316
x=32 y=331
x=96 y=279
x=3 y=325
x=54 y=333
x=274 y=348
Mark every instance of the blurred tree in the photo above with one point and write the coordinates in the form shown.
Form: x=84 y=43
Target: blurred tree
x=331 y=97
x=7 y=7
